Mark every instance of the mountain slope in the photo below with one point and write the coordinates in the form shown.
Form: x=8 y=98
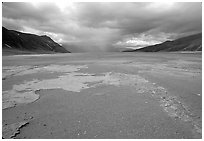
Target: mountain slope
x=189 y=43
x=14 y=40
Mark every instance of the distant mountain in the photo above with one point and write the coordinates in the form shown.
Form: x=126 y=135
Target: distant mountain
x=14 y=41
x=189 y=43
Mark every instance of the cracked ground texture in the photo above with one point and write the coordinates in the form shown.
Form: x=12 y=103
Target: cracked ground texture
x=130 y=95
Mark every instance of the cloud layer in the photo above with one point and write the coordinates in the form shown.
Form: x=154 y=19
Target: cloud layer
x=105 y=26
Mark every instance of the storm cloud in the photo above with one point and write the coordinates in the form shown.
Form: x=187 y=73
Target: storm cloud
x=105 y=26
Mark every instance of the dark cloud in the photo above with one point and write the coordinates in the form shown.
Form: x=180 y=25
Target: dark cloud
x=105 y=26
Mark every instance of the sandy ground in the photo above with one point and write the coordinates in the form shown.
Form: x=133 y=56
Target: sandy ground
x=108 y=95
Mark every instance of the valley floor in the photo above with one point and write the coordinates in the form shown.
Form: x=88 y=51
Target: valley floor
x=102 y=95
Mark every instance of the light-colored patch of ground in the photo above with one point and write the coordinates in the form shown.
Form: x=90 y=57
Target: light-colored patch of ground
x=175 y=68
x=53 y=68
x=22 y=93
x=10 y=131
x=12 y=70
x=15 y=97
x=75 y=82
x=25 y=70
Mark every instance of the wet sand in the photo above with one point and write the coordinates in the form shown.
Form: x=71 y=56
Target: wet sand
x=102 y=95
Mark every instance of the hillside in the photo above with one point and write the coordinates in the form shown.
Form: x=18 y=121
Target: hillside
x=189 y=43
x=18 y=42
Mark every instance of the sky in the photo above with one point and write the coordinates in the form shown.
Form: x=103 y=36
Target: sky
x=116 y=26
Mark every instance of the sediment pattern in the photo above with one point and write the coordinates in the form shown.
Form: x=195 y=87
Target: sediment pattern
x=76 y=82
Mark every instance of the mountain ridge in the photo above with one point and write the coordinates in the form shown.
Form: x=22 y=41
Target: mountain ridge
x=188 y=43
x=18 y=41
